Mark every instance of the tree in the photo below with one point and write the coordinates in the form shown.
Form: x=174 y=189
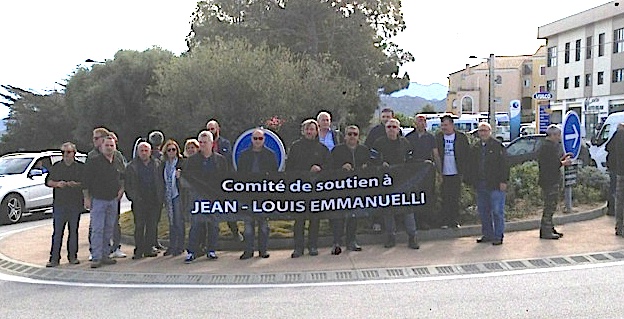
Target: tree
x=243 y=86
x=357 y=35
x=115 y=95
x=35 y=121
x=428 y=108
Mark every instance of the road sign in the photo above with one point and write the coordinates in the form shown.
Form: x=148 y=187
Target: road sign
x=572 y=134
x=271 y=141
x=544 y=117
x=542 y=96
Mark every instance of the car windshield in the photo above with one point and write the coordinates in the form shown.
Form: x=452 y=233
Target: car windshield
x=14 y=165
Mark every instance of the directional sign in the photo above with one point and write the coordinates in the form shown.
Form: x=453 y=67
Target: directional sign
x=271 y=141
x=572 y=134
x=542 y=96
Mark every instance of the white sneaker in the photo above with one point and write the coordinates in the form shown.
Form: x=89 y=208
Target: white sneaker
x=90 y=257
x=117 y=253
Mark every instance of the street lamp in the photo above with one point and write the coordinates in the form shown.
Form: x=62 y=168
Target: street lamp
x=491 y=106
x=93 y=61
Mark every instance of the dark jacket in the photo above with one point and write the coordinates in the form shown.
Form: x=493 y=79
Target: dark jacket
x=392 y=152
x=549 y=160
x=376 y=132
x=494 y=169
x=267 y=162
x=615 y=155
x=304 y=153
x=462 y=151
x=224 y=147
x=422 y=145
x=133 y=184
x=342 y=154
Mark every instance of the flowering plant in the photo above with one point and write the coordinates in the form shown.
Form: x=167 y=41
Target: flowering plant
x=274 y=123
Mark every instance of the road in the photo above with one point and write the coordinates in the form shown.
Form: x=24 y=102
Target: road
x=556 y=294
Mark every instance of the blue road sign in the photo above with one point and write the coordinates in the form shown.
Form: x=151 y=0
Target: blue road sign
x=271 y=141
x=572 y=134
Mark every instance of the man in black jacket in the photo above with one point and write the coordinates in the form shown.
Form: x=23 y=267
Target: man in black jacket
x=144 y=188
x=550 y=160
x=307 y=154
x=452 y=165
x=490 y=180
x=257 y=159
x=615 y=161
x=350 y=156
x=395 y=149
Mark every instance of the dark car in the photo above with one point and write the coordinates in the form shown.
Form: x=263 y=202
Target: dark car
x=526 y=148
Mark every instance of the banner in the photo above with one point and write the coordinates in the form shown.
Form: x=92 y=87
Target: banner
x=329 y=194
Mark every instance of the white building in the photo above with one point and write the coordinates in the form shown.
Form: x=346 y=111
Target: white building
x=585 y=64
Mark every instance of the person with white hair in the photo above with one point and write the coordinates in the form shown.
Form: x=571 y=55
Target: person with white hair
x=490 y=181
x=550 y=160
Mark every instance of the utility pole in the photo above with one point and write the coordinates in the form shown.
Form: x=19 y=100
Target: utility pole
x=491 y=94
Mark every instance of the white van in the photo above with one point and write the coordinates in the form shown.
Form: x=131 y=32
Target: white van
x=597 y=149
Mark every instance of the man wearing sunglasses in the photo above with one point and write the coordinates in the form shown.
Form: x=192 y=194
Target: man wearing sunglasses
x=395 y=149
x=66 y=179
x=350 y=156
x=257 y=159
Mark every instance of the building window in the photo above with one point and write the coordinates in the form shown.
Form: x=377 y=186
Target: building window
x=588 y=79
x=466 y=103
x=577 y=81
x=588 y=48
x=577 y=51
x=567 y=53
x=542 y=70
x=618 y=40
x=618 y=76
x=542 y=88
x=527 y=83
x=601 y=44
x=551 y=85
x=552 y=57
x=566 y=83
x=600 y=78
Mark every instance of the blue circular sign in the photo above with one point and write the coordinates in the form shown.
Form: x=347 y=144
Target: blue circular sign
x=271 y=141
x=571 y=135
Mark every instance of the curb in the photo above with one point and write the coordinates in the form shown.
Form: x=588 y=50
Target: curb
x=228 y=244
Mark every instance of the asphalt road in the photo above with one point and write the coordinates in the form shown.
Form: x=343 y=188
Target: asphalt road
x=562 y=293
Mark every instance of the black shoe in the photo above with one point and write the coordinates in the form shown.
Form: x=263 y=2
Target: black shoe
x=108 y=261
x=549 y=236
x=337 y=250
x=391 y=242
x=52 y=264
x=158 y=246
x=618 y=232
x=296 y=254
x=152 y=254
x=354 y=246
x=264 y=254
x=74 y=261
x=313 y=251
x=556 y=232
x=96 y=263
x=246 y=255
x=137 y=256
x=167 y=253
x=497 y=242
x=212 y=255
x=413 y=243
x=483 y=240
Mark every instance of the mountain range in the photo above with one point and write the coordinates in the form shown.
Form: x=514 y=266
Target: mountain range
x=412 y=99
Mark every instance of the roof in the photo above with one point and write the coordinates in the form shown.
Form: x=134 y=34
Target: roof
x=599 y=13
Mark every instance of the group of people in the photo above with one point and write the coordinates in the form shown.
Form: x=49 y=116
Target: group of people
x=158 y=176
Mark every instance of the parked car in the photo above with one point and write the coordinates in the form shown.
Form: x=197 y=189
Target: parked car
x=22 y=183
x=526 y=148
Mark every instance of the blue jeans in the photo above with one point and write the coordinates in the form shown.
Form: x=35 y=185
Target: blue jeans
x=409 y=221
x=491 y=208
x=197 y=233
x=176 y=225
x=61 y=216
x=103 y=218
x=250 y=233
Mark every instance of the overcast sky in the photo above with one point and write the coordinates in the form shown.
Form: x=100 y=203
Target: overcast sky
x=44 y=41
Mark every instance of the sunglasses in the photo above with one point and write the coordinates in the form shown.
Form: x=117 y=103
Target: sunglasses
x=68 y=152
x=258 y=138
x=392 y=126
x=173 y=149
x=353 y=134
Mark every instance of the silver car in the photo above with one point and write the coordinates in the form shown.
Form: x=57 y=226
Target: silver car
x=22 y=183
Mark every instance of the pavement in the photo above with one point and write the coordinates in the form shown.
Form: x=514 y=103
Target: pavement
x=589 y=238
